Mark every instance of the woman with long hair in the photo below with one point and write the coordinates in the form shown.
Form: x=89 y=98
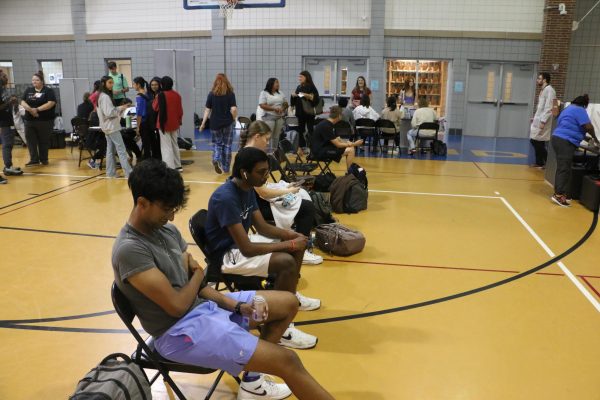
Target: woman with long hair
x=299 y=210
x=152 y=90
x=170 y=114
x=359 y=90
x=144 y=127
x=364 y=110
x=392 y=112
x=39 y=102
x=571 y=127
x=409 y=92
x=110 y=123
x=272 y=103
x=306 y=91
x=221 y=107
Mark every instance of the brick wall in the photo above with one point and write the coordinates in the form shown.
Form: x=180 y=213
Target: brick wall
x=556 y=43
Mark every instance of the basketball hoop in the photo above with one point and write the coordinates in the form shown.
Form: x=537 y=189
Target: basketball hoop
x=226 y=8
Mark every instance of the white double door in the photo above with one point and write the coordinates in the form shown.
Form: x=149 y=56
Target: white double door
x=499 y=99
x=336 y=77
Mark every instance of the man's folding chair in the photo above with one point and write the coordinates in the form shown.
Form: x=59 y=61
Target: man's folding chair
x=148 y=358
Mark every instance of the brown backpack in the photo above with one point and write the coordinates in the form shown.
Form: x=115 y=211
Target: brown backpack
x=339 y=240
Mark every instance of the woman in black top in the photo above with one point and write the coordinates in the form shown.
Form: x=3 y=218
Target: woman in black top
x=39 y=102
x=306 y=91
x=85 y=109
x=152 y=90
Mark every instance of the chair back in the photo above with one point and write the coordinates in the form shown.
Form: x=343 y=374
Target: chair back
x=433 y=126
x=197 y=226
x=343 y=129
x=385 y=123
x=274 y=165
x=122 y=305
x=362 y=123
x=286 y=146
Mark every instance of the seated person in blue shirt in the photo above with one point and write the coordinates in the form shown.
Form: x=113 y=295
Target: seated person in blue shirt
x=232 y=209
x=573 y=122
x=326 y=145
x=192 y=323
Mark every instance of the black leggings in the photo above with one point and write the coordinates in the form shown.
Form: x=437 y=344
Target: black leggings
x=540 y=151
x=303 y=220
x=305 y=122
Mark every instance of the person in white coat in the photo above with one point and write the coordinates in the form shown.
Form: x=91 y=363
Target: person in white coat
x=541 y=123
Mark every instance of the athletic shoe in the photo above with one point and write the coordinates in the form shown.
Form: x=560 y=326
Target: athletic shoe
x=560 y=199
x=44 y=162
x=3 y=180
x=311 y=258
x=296 y=339
x=217 y=166
x=263 y=388
x=179 y=169
x=308 y=304
x=32 y=163
x=92 y=164
x=13 y=171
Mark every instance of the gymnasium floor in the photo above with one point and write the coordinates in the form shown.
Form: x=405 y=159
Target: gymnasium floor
x=434 y=229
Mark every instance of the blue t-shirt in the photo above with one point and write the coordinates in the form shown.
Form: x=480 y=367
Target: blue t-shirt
x=141 y=105
x=228 y=205
x=220 y=107
x=570 y=124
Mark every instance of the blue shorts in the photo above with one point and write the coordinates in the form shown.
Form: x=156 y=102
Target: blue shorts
x=211 y=337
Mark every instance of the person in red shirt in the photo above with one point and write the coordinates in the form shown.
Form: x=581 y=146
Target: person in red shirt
x=360 y=89
x=170 y=113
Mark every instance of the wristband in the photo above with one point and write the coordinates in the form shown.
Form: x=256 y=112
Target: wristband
x=238 y=308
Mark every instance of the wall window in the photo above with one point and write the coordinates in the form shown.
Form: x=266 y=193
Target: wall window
x=123 y=67
x=53 y=71
x=6 y=67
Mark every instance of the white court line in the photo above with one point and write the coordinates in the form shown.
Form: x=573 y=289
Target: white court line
x=61 y=175
x=199 y=182
x=560 y=264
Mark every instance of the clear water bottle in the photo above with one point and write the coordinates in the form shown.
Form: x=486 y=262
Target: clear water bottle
x=260 y=308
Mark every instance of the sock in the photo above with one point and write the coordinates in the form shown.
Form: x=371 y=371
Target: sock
x=250 y=376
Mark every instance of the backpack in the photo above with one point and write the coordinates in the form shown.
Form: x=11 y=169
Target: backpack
x=114 y=379
x=439 y=148
x=184 y=143
x=324 y=181
x=348 y=195
x=339 y=240
x=360 y=173
x=322 y=208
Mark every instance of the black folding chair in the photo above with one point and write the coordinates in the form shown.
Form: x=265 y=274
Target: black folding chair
x=297 y=167
x=213 y=263
x=422 y=139
x=146 y=355
x=386 y=132
x=343 y=129
x=365 y=129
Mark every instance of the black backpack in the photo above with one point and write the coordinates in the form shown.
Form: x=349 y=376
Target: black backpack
x=360 y=173
x=323 y=208
x=348 y=195
x=324 y=181
x=439 y=148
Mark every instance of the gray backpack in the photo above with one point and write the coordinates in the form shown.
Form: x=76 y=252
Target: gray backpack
x=348 y=195
x=114 y=379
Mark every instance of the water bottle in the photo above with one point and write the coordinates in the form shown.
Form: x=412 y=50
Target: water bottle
x=128 y=121
x=260 y=308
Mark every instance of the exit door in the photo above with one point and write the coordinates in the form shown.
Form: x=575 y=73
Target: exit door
x=499 y=99
x=336 y=77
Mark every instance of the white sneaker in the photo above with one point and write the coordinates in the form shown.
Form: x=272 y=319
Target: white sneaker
x=307 y=303
x=296 y=339
x=311 y=258
x=263 y=388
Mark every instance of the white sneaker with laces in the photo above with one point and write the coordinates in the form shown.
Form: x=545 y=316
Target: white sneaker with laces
x=263 y=388
x=307 y=303
x=296 y=339
x=311 y=258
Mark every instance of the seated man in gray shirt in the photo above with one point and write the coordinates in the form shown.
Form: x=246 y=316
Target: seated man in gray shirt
x=193 y=323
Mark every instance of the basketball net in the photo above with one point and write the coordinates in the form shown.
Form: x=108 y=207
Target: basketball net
x=226 y=8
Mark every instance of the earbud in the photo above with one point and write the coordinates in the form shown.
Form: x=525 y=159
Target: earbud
x=245 y=175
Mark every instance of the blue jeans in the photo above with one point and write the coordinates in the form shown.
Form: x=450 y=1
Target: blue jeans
x=222 y=139
x=8 y=140
x=114 y=141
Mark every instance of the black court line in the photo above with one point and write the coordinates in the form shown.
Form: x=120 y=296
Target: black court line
x=50 y=191
x=584 y=238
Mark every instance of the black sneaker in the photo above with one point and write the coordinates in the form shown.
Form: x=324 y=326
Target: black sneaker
x=12 y=171
x=217 y=166
x=32 y=163
x=44 y=162
x=3 y=180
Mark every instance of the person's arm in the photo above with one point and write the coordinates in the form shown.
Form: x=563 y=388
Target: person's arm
x=125 y=84
x=589 y=128
x=547 y=110
x=268 y=193
x=373 y=114
x=233 y=107
x=207 y=112
x=153 y=284
x=341 y=144
x=108 y=109
x=250 y=249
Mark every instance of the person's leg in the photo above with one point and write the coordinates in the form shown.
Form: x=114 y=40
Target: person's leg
x=410 y=136
x=544 y=151
x=538 y=148
x=32 y=142
x=217 y=140
x=349 y=154
x=156 y=153
x=44 y=133
x=283 y=307
x=146 y=141
x=176 y=156
x=310 y=123
x=564 y=159
x=117 y=140
x=166 y=149
x=286 y=269
x=111 y=168
x=8 y=140
x=304 y=217
x=273 y=359
x=302 y=132
x=226 y=150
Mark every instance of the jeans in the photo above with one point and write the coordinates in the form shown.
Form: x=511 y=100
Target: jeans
x=222 y=139
x=541 y=153
x=38 y=139
x=564 y=160
x=114 y=141
x=276 y=126
x=411 y=135
x=8 y=140
x=169 y=149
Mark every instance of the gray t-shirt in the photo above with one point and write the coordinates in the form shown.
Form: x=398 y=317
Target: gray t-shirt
x=134 y=252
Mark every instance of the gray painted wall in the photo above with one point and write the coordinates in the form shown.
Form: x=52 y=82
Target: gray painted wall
x=584 y=58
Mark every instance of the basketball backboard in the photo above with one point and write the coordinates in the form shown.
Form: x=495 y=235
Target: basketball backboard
x=214 y=4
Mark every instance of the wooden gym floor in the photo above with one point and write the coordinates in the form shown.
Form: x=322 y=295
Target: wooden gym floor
x=434 y=229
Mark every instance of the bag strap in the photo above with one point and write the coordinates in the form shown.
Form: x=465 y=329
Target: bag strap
x=115 y=356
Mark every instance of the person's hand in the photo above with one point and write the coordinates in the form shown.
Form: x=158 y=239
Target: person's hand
x=34 y=112
x=300 y=242
x=359 y=142
x=293 y=189
x=278 y=110
x=542 y=125
x=294 y=94
x=201 y=128
x=246 y=310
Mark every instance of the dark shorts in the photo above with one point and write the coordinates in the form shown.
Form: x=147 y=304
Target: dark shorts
x=331 y=153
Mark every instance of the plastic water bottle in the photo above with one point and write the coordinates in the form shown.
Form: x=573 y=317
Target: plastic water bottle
x=260 y=308
x=128 y=121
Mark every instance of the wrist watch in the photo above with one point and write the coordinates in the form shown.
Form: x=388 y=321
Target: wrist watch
x=238 y=308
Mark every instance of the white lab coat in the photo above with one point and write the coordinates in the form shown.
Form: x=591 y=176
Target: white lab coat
x=543 y=113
